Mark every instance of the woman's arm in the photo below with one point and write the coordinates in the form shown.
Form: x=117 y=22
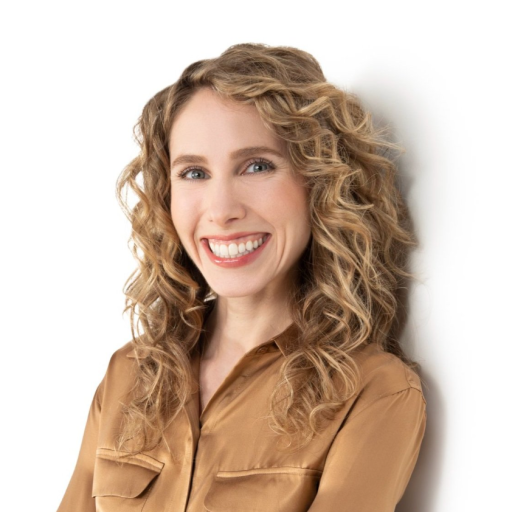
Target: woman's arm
x=78 y=496
x=373 y=455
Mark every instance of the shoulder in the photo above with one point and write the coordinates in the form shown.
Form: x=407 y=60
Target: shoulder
x=385 y=372
x=121 y=372
x=384 y=375
x=124 y=355
x=122 y=359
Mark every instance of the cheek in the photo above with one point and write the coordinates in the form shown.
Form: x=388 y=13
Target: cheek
x=283 y=193
x=297 y=209
x=182 y=214
x=287 y=209
x=289 y=202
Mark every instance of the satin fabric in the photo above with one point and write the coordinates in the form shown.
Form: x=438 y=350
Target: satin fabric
x=227 y=459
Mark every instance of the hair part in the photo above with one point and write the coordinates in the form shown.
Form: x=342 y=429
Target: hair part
x=351 y=273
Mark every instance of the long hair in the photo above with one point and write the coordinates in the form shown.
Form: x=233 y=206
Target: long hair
x=350 y=275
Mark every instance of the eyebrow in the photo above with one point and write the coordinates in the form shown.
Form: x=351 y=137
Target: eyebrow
x=239 y=153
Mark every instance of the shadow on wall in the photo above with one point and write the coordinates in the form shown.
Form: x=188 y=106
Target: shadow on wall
x=388 y=100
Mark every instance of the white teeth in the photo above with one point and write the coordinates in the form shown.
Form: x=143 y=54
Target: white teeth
x=232 y=250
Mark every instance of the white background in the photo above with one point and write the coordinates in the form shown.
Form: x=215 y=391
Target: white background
x=75 y=78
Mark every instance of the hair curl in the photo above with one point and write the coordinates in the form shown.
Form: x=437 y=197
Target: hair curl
x=350 y=275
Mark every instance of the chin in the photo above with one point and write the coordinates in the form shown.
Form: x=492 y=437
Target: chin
x=234 y=292
x=237 y=288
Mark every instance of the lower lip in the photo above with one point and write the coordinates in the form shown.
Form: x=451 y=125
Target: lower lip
x=238 y=261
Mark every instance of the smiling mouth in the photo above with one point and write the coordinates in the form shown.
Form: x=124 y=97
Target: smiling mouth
x=235 y=248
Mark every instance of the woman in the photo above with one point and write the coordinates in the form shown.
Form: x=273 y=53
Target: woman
x=263 y=373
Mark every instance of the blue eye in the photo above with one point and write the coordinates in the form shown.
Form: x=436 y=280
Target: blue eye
x=260 y=166
x=193 y=174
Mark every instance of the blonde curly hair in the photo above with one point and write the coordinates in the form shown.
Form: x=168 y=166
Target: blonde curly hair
x=351 y=274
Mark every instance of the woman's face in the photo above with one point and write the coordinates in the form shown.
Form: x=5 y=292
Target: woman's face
x=240 y=212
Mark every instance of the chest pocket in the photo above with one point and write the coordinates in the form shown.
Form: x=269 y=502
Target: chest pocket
x=283 y=489
x=123 y=480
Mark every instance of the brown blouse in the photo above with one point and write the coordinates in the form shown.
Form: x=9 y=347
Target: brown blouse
x=227 y=459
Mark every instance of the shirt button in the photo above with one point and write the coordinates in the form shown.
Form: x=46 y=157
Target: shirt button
x=262 y=350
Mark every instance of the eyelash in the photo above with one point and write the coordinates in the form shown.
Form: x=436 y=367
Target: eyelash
x=252 y=162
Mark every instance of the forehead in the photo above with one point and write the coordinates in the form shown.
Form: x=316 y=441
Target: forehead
x=209 y=123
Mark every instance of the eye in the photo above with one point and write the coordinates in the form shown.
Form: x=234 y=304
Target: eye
x=259 y=166
x=193 y=174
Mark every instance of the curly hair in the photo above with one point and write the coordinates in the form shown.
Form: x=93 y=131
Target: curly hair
x=351 y=274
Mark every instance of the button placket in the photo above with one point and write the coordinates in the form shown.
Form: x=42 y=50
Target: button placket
x=236 y=385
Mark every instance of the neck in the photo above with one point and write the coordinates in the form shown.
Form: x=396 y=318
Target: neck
x=236 y=325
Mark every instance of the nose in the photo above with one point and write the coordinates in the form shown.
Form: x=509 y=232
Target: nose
x=226 y=202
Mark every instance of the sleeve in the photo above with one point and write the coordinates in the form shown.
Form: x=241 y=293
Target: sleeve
x=78 y=496
x=373 y=455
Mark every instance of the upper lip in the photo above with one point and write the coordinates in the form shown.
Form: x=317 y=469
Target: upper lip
x=234 y=236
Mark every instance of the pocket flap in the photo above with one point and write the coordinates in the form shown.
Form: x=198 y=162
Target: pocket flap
x=263 y=489
x=123 y=474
